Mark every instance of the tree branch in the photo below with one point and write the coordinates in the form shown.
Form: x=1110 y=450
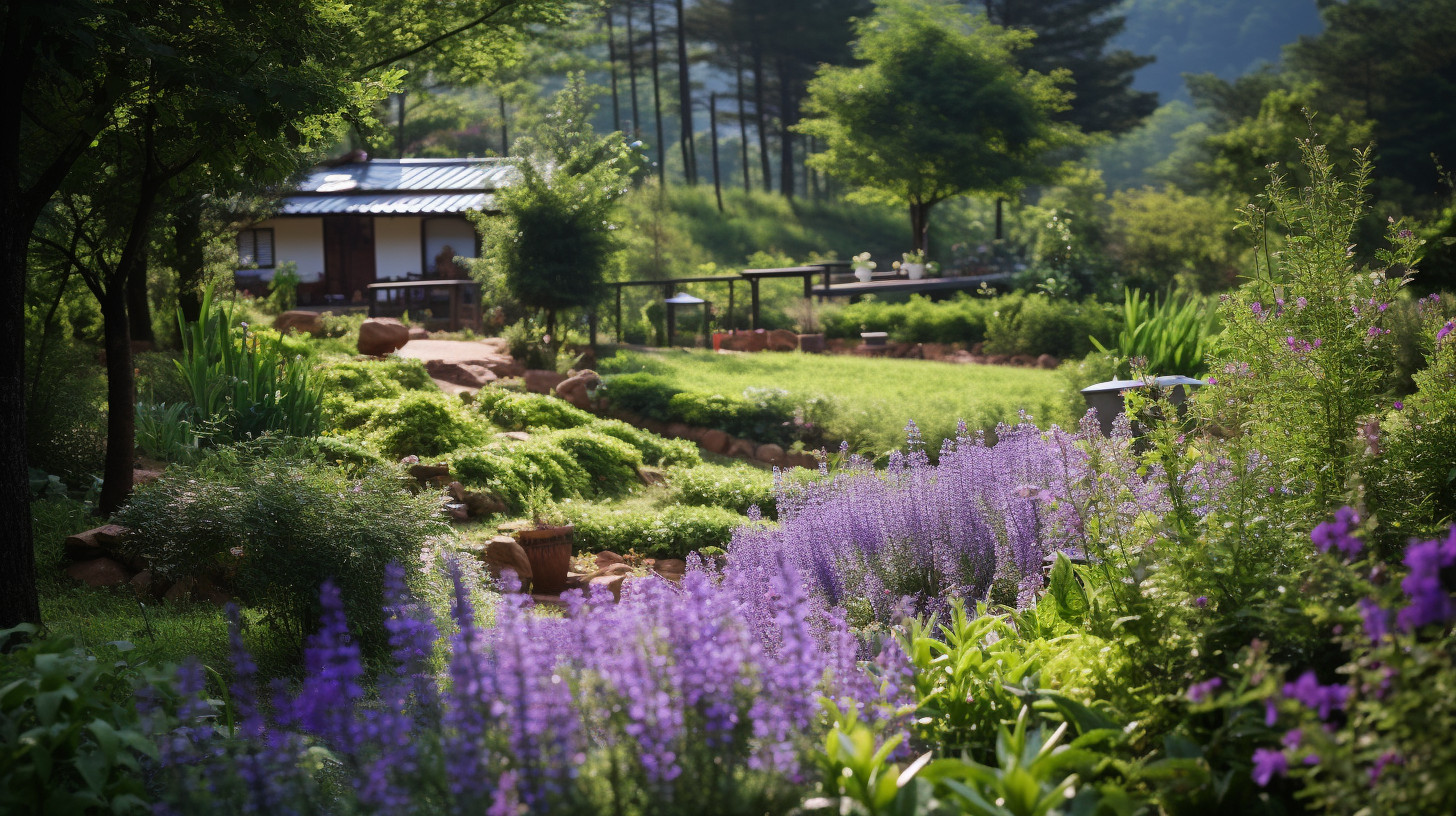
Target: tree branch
x=431 y=43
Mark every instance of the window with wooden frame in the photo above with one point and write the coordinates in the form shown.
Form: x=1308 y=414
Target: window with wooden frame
x=255 y=248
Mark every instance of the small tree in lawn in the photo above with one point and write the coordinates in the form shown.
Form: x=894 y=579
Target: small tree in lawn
x=554 y=241
x=937 y=108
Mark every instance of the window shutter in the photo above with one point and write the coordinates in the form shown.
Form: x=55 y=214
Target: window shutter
x=263 y=242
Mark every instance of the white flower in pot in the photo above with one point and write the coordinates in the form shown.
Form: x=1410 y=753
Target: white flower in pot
x=863 y=267
x=914 y=264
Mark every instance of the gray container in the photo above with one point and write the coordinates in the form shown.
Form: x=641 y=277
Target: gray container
x=1107 y=397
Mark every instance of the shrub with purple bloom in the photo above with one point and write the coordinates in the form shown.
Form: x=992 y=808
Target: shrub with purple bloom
x=1323 y=699
x=1429 y=598
x=1268 y=764
x=1338 y=534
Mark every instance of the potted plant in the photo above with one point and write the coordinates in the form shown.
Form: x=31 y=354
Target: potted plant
x=863 y=267
x=913 y=264
x=548 y=543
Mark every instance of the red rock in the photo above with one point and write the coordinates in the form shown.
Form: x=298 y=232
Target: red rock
x=677 y=430
x=757 y=340
x=439 y=473
x=782 y=340
x=540 y=381
x=649 y=476
x=673 y=569
x=612 y=584
x=997 y=359
x=147 y=584
x=504 y=553
x=1023 y=360
x=379 y=336
x=619 y=568
x=93 y=543
x=470 y=375
x=811 y=343
x=716 y=441
x=742 y=449
x=181 y=589
x=802 y=459
x=418 y=333
x=98 y=572
x=577 y=388
x=141 y=476
x=606 y=557
x=1047 y=361
x=770 y=453
x=300 y=321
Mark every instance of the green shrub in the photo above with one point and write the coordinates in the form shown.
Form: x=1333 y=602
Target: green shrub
x=640 y=393
x=375 y=379
x=493 y=468
x=72 y=742
x=165 y=431
x=919 y=320
x=767 y=417
x=1037 y=324
x=423 y=423
x=731 y=488
x=673 y=533
x=522 y=412
x=542 y=463
x=609 y=462
x=284 y=525
x=655 y=450
x=341 y=451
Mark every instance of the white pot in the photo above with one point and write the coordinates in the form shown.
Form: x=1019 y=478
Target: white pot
x=916 y=271
x=863 y=273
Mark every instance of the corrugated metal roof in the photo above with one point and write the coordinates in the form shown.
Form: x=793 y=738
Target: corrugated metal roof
x=406 y=186
x=385 y=204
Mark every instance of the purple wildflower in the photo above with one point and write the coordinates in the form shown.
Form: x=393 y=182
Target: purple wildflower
x=1430 y=601
x=1385 y=760
x=1323 y=699
x=1337 y=534
x=1198 y=692
x=1375 y=618
x=1445 y=330
x=1268 y=764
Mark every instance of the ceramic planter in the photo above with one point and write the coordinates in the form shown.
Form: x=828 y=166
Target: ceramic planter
x=915 y=271
x=863 y=273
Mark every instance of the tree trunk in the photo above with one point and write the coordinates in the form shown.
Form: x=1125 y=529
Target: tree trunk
x=657 y=98
x=120 y=402
x=612 y=63
x=786 y=137
x=505 y=134
x=399 y=130
x=191 y=259
x=920 y=225
x=999 y=202
x=632 y=74
x=18 y=600
x=685 y=99
x=138 y=305
x=759 y=112
x=742 y=121
x=713 y=133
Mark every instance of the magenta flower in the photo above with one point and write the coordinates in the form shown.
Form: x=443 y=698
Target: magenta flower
x=1445 y=330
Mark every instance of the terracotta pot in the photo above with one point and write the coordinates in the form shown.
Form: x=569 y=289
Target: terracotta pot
x=549 y=551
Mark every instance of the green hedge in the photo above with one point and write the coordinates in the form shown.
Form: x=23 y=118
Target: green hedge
x=672 y=533
x=516 y=411
x=422 y=423
x=768 y=416
x=655 y=450
x=610 y=463
x=731 y=488
x=961 y=319
x=375 y=379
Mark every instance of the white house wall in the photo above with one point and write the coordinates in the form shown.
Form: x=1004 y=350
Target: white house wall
x=300 y=240
x=455 y=233
x=396 y=247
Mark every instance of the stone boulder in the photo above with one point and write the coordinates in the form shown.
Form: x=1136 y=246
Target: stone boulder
x=577 y=388
x=802 y=459
x=782 y=340
x=540 y=381
x=379 y=336
x=149 y=585
x=418 y=333
x=610 y=583
x=742 y=449
x=811 y=343
x=607 y=557
x=673 y=569
x=1047 y=361
x=476 y=503
x=300 y=321
x=469 y=375
x=514 y=436
x=716 y=441
x=649 y=475
x=93 y=543
x=679 y=430
x=504 y=553
x=438 y=473
x=770 y=454
x=1023 y=360
x=99 y=572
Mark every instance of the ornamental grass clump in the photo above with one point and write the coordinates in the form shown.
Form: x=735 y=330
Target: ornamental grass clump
x=976 y=526
x=669 y=702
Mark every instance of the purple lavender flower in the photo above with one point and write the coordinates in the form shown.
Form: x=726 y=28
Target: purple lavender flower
x=1198 y=692
x=1268 y=764
x=1375 y=618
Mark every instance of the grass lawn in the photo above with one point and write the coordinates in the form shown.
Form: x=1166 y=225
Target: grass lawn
x=873 y=397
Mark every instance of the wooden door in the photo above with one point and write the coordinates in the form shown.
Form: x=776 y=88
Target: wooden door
x=348 y=256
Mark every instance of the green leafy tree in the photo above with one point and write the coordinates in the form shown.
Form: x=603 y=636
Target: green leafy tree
x=554 y=241
x=939 y=108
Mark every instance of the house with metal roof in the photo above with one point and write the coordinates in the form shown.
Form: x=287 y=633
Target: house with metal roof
x=362 y=221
